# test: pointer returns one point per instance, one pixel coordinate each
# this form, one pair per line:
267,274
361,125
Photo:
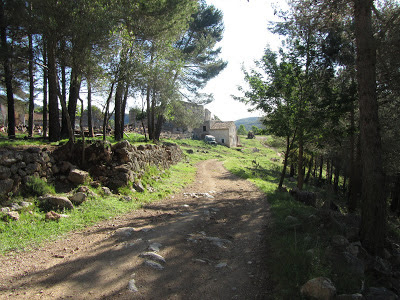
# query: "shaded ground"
214,247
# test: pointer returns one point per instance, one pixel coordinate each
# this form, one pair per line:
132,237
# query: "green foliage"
36,186
242,130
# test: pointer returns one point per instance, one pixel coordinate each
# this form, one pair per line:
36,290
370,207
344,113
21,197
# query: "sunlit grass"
32,229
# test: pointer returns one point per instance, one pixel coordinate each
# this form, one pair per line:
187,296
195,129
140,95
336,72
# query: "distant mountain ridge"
248,122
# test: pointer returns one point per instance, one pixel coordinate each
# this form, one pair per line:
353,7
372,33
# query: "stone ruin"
113,166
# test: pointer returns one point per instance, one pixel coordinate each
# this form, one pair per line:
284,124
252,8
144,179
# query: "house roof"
215,125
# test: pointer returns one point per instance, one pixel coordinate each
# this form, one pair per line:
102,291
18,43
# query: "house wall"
233,136
221,134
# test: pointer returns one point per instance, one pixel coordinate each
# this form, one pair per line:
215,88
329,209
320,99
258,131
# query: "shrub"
36,186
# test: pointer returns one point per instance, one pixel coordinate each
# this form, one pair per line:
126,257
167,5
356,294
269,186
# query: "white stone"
155,247
221,265
132,286
124,231
154,256
154,265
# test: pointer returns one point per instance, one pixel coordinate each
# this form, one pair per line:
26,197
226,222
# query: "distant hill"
248,122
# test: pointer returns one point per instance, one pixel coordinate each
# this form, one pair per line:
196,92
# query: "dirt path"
212,244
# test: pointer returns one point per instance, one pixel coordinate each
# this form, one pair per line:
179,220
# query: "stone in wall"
16,165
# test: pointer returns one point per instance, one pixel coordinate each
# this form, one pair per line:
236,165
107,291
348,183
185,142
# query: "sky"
245,38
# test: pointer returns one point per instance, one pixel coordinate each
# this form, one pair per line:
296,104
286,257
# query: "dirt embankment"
208,242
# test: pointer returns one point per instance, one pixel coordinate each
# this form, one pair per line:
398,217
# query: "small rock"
25,204
154,256
381,265
339,241
78,176
350,297
355,264
126,199
83,189
124,231
353,249
5,209
154,265
310,252
379,293
132,286
52,216
319,288
138,186
221,265
220,243
155,247
106,191
15,206
78,197
12,215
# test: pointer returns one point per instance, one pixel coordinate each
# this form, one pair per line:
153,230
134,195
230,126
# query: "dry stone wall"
113,166
16,165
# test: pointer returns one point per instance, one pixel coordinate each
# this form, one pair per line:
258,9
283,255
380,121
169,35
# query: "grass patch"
36,186
32,229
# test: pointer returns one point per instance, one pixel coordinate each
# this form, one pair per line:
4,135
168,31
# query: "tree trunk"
31,88
64,124
300,175
395,205
89,108
74,88
336,176
310,166
373,212
160,122
285,162
123,108
45,75
315,166
105,121
328,170
153,114
7,73
321,166
292,170
54,121
118,106
149,131
355,168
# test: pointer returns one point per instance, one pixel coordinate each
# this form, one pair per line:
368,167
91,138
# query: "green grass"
32,229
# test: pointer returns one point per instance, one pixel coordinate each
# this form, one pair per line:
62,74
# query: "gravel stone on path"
153,256
154,265
132,286
155,247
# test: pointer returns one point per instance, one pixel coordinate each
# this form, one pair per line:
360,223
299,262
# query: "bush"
36,186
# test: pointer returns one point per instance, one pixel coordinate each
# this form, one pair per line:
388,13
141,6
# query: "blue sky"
245,39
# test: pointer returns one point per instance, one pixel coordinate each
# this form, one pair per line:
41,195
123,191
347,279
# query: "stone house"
224,132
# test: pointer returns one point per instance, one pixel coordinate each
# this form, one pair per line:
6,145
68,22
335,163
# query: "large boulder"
320,288
78,176
308,198
6,186
56,202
